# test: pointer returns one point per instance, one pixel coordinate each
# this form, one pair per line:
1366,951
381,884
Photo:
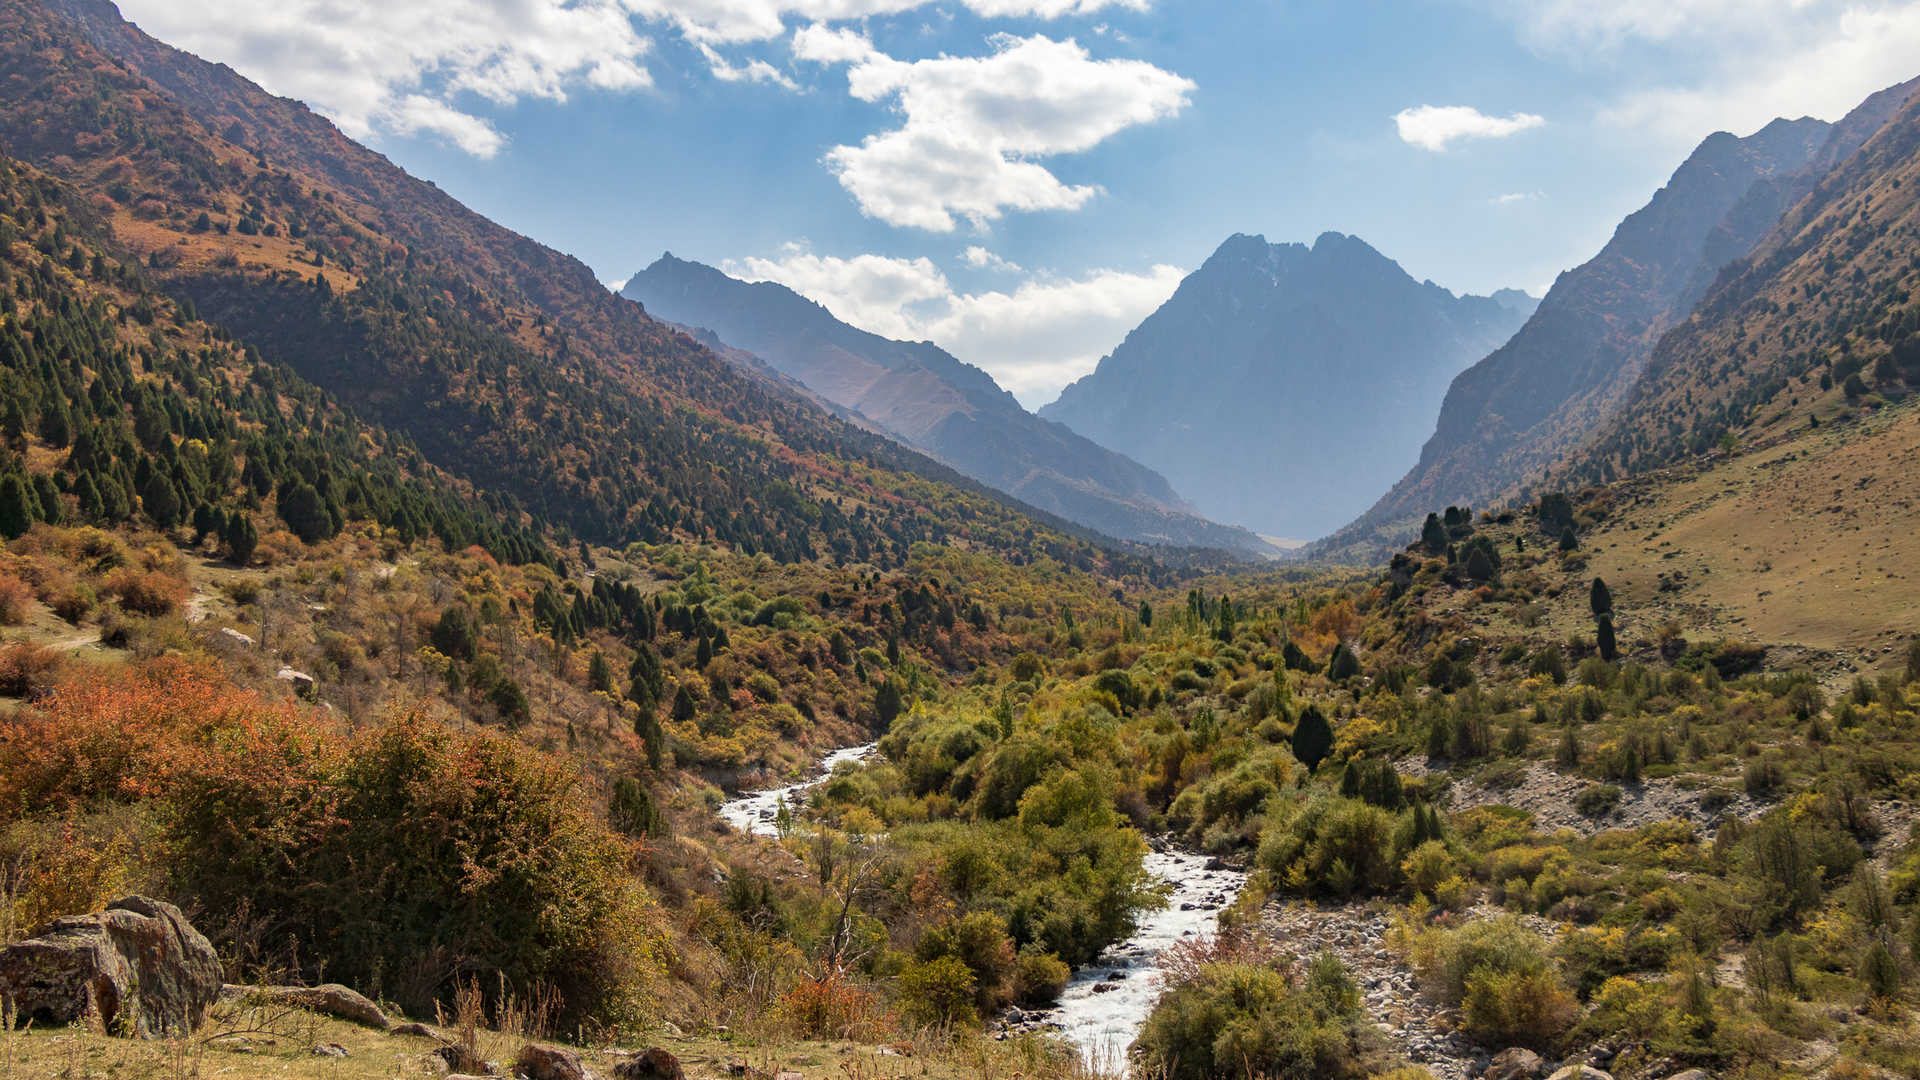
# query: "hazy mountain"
1542,394
1283,384
932,401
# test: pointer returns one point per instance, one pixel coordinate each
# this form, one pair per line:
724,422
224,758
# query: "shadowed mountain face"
1283,385
932,401
1536,399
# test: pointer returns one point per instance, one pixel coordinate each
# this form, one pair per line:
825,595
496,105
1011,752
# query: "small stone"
332,1050
415,1029
543,1061
653,1063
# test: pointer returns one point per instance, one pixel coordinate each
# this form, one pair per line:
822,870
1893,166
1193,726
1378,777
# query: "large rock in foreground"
146,970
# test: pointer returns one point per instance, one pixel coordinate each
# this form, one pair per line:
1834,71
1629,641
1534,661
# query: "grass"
285,1049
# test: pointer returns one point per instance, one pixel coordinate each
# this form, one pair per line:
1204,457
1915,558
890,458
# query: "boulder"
1515,1064
1692,1074
330,999
541,1061
146,970
1581,1072
655,1063
420,1030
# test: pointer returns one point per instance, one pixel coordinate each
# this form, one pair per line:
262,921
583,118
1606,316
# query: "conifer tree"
1312,738
1600,599
17,506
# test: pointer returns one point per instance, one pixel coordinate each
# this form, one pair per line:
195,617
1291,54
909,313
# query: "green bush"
938,993
1597,800
1039,977
411,857
1525,1007
1250,1020
1332,846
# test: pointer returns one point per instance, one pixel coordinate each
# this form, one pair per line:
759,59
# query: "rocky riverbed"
755,812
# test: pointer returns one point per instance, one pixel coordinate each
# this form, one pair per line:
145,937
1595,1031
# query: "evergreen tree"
241,537
1568,541
161,501
1312,738
1343,665
1609,648
305,512
685,707
17,506
1146,613
1433,536
599,675
887,702
1479,564
1600,599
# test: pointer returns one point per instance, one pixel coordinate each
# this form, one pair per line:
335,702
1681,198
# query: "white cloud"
1822,69
380,66
376,65
1033,339
981,259
1432,127
1513,197
972,125
762,20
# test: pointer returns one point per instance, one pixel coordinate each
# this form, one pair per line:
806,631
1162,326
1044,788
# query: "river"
1100,1013
1105,1002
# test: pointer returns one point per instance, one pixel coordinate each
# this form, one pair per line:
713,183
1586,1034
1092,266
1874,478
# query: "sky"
1024,181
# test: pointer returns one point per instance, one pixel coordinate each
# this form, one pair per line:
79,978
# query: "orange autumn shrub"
832,1007
28,670
151,593
93,741
15,597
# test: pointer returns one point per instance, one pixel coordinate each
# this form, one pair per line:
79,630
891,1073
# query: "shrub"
978,940
15,595
1332,846
1527,1007
1597,800
28,670
832,1007
1039,977
938,993
1251,1020
1427,866
152,593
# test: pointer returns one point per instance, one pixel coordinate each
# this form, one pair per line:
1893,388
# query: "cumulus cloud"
374,65
1033,339
1513,197
1823,68
762,20
973,125
1433,127
981,259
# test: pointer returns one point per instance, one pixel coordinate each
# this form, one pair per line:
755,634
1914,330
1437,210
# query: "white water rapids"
1105,1002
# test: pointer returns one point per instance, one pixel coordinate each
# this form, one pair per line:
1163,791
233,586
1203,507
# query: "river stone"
1581,1072
655,1063
1515,1064
329,999
541,1061
1692,1074
148,971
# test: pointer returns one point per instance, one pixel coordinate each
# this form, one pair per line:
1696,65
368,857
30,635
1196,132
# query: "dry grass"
284,1050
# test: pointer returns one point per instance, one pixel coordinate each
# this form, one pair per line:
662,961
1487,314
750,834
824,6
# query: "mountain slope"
1820,321
1545,392
932,401
1254,368
507,363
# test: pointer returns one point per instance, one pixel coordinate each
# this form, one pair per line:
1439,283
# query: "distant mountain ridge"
1283,384
1527,405
933,401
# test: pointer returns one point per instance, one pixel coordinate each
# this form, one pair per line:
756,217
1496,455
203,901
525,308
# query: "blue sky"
1023,180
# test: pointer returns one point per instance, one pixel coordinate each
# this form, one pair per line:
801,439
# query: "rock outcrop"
138,966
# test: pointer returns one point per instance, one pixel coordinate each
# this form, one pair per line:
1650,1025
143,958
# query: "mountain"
1545,392
935,402
1305,368
507,364
1818,323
